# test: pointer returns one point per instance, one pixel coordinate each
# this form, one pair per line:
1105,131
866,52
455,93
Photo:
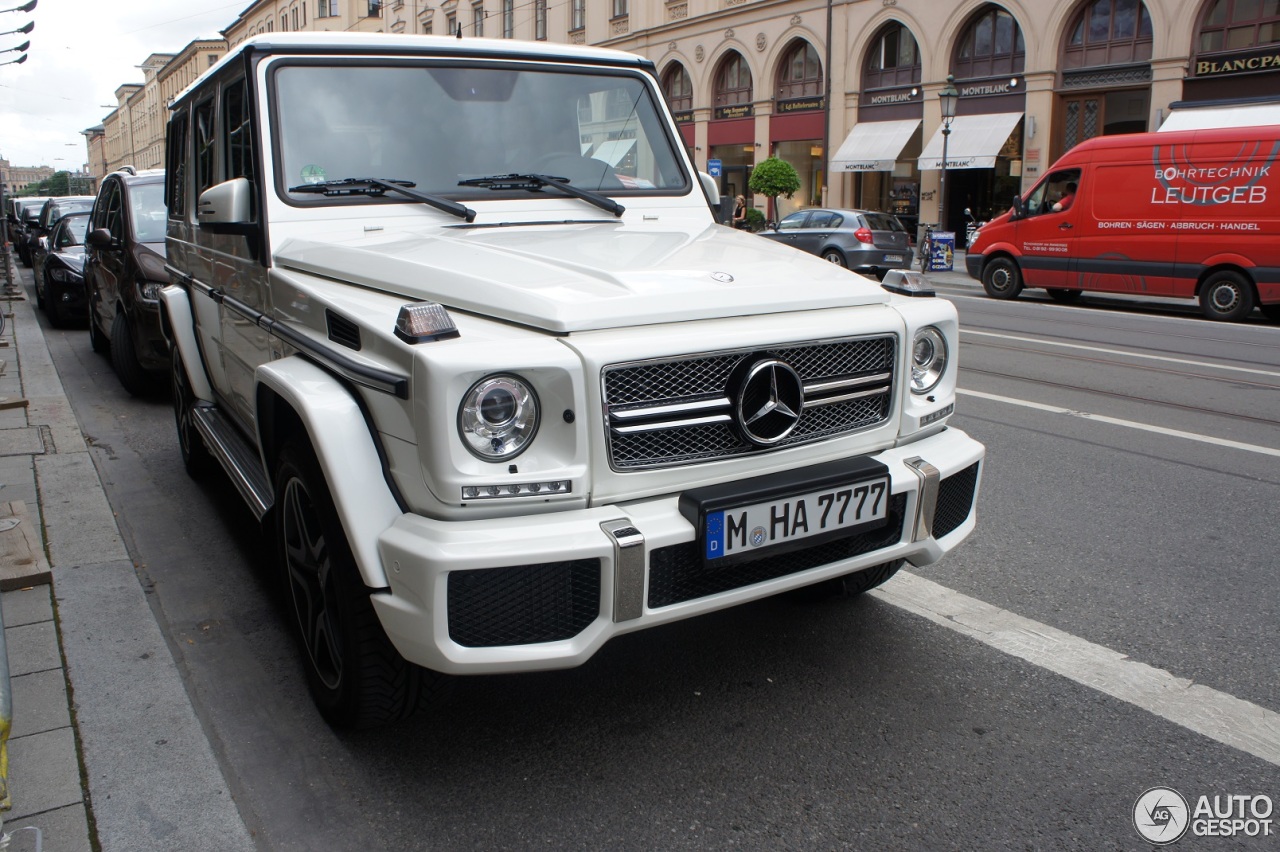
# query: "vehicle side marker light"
422,322
904,282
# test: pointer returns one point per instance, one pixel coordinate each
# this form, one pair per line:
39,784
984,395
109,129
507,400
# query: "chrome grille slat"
657,411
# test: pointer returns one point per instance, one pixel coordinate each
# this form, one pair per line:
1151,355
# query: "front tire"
1226,296
125,360
1002,279
195,455
356,677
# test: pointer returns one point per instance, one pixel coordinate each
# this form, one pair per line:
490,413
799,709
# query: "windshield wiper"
533,183
378,186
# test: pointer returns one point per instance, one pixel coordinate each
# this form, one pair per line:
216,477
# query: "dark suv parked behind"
124,272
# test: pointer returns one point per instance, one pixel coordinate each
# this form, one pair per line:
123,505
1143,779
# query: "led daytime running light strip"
524,489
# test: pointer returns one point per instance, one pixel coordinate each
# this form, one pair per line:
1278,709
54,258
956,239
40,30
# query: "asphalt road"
792,724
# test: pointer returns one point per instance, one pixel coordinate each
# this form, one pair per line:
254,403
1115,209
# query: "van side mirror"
227,203
1018,210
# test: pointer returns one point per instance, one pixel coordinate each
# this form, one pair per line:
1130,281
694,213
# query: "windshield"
436,126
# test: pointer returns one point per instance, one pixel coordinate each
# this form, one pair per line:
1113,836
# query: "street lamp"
25,7
31,25
22,46
947,97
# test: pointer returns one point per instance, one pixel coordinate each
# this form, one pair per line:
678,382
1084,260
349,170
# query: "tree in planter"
771,178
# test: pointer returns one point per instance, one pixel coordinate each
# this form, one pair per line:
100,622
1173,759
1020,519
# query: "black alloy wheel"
356,677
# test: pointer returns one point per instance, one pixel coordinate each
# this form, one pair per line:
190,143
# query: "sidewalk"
105,751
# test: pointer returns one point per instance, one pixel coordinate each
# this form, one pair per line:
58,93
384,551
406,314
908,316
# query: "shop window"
678,88
1239,24
800,74
733,81
1108,32
894,59
990,46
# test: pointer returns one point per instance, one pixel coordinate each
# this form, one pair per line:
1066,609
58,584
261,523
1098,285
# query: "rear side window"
824,219
176,173
107,212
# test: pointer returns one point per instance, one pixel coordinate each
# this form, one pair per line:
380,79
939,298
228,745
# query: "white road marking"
1106,351
1208,712
1130,424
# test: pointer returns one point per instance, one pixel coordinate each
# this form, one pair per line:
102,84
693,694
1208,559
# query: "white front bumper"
418,554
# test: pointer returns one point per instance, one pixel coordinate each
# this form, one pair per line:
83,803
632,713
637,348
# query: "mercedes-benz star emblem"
769,402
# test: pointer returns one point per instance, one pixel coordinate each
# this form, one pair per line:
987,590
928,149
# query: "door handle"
1065,226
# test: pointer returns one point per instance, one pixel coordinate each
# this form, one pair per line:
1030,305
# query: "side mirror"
1018,210
710,188
227,203
100,238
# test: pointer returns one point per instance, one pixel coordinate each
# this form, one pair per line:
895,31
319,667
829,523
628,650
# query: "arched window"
990,46
894,59
1237,24
678,88
733,81
800,74
1108,32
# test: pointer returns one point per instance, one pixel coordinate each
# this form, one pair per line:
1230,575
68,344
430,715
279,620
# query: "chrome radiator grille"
690,409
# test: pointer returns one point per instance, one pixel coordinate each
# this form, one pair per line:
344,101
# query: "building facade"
17,178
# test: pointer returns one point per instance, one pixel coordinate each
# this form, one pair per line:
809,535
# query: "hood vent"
342,331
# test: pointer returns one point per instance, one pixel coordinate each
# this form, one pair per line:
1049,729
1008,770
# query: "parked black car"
124,272
865,241
60,286
53,210
26,213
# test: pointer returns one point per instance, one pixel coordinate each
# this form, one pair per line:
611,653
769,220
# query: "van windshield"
437,126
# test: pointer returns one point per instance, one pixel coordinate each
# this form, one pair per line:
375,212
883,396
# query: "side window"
102,209
206,165
822,219
793,222
111,211
1051,190
237,131
176,171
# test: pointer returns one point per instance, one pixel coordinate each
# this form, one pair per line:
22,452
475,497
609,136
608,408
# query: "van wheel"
125,360
834,256
1065,296
1226,296
195,455
1001,279
356,677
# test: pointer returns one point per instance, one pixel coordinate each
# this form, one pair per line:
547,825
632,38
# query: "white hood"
582,276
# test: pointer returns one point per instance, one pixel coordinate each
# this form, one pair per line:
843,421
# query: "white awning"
1238,115
974,142
874,146
613,151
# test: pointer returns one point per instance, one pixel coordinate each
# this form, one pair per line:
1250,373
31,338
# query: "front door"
1046,234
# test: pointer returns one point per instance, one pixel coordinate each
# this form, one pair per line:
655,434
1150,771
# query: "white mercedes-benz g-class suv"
456,318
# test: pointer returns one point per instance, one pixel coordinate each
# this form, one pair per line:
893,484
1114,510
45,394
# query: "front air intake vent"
342,330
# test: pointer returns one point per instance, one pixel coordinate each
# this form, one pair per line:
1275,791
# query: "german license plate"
893,258
769,524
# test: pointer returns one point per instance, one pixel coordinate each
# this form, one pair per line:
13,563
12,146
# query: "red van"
1192,214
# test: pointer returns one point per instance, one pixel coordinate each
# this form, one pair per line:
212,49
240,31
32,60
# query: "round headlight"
928,359
498,417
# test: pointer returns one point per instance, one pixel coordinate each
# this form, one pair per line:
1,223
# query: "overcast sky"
81,52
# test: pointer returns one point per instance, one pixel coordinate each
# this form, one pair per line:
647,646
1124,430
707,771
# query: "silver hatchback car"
862,240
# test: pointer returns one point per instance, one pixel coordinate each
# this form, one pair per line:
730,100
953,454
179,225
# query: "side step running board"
240,460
